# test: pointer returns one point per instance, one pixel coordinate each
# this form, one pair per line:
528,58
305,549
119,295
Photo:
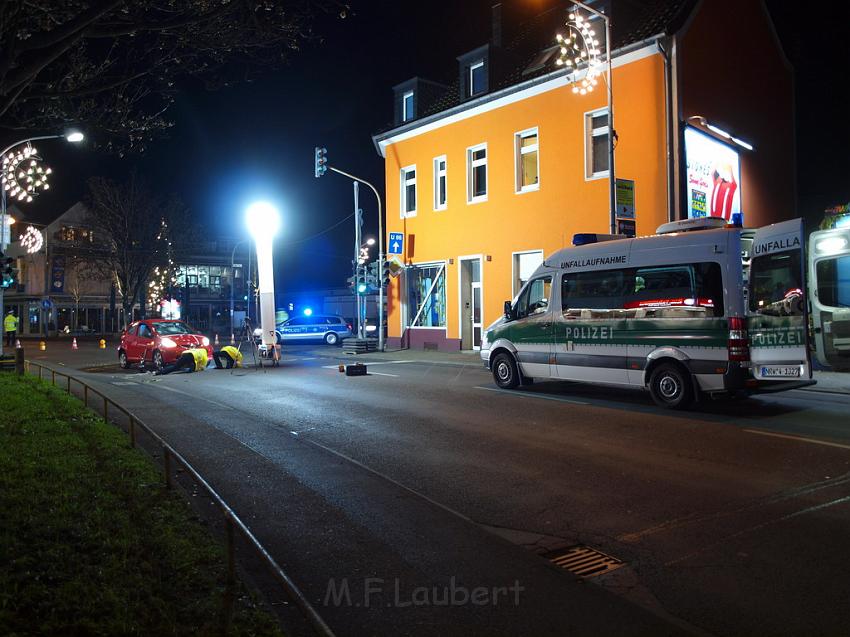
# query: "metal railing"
169,455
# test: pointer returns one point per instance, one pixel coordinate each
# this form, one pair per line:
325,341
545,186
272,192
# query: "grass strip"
90,541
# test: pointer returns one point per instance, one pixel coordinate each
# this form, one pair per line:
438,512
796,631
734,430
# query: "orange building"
487,175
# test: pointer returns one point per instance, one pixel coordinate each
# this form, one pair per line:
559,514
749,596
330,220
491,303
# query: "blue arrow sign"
396,242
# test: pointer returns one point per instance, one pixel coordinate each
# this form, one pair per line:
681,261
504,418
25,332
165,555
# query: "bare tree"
79,281
139,230
113,65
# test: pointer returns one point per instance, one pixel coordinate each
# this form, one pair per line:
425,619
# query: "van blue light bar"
585,238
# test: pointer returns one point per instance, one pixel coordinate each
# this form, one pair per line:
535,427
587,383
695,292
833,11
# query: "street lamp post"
380,251
263,222
27,191
580,46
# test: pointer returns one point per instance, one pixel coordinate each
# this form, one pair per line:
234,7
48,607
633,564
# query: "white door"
777,316
829,293
475,314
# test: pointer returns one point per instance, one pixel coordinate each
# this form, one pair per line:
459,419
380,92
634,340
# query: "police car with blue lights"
699,308
328,328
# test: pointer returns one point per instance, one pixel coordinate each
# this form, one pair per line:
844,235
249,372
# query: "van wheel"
331,338
670,386
505,371
122,360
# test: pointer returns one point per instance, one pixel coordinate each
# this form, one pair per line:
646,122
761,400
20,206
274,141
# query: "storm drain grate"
584,561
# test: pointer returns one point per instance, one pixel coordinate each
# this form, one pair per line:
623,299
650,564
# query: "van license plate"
780,371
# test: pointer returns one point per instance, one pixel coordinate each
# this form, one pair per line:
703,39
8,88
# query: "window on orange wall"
596,144
408,191
476,165
527,161
440,183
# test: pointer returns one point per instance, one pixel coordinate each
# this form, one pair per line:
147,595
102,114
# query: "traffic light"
362,288
321,161
352,280
9,272
385,274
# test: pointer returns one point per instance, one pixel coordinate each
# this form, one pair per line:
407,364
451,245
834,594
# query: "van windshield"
776,287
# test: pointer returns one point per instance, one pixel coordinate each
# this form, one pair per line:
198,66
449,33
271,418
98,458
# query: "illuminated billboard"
713,178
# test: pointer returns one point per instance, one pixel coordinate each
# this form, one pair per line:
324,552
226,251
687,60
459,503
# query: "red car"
160,341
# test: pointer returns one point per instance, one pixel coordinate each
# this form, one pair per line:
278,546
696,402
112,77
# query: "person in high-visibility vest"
192,360
228,354
10,327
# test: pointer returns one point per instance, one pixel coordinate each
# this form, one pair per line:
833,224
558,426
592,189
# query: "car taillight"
738,346
350,327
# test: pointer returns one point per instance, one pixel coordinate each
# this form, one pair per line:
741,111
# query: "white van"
670,313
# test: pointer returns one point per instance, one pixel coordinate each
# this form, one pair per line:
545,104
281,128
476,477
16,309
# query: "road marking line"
178,391
814,441
384,476
381,374
522,395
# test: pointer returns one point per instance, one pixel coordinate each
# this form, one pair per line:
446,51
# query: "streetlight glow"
263,221
75,137
262,218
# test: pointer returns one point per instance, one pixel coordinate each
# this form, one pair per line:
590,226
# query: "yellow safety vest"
10,323
234,353
201,358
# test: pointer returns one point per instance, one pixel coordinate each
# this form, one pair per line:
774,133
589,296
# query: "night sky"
255,141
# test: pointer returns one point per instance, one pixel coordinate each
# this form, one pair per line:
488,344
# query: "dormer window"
477,81
407,110
475,68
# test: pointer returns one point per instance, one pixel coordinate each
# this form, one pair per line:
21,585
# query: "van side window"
671,291
599,290
535,297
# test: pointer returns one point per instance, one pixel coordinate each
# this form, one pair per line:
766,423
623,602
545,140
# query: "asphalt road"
732,519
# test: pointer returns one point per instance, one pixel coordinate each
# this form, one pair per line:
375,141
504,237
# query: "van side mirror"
509,311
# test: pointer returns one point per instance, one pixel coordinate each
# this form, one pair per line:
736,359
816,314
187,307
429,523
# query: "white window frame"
405,116
519,151
589,134
472,67
403,183
437,174
470,165
514,269
405,305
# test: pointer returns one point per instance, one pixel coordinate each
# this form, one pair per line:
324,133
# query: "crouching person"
192,360
229,355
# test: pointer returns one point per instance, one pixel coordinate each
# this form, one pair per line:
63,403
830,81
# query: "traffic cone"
74,343
342,368
17,343
216,340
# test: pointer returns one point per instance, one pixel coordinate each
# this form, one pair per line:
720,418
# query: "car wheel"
670,386
331,338
157,360
505,371
122,359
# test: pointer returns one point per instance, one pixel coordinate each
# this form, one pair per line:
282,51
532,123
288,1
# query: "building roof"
523,58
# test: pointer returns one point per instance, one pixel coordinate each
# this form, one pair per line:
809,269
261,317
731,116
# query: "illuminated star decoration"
32,240
580,47
22,174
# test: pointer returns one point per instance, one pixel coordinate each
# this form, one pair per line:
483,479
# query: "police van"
700,308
